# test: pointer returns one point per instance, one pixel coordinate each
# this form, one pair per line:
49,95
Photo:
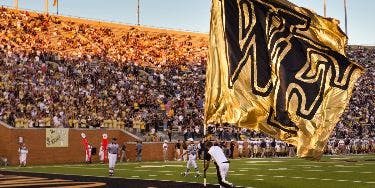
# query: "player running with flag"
221,162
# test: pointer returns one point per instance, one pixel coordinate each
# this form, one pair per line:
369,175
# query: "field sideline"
333,171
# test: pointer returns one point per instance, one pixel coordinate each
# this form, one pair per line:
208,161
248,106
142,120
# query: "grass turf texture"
331,171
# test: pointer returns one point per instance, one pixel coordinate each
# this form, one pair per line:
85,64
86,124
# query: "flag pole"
325,8
46,6
57,7
138,12
346,17
16,4
204,154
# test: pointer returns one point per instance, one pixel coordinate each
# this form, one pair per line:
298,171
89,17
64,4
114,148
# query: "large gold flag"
55,3
280,69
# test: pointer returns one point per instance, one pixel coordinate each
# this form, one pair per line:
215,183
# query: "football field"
332,171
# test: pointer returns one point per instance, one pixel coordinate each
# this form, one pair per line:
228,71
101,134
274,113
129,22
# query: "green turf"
342,172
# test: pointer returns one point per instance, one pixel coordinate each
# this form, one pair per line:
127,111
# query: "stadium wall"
35,140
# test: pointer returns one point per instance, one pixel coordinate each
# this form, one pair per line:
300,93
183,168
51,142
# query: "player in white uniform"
165,150
101,154
23,155
240,148
191,151
113,150
221,162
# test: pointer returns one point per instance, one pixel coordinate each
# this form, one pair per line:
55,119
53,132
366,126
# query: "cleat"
198,175
184,174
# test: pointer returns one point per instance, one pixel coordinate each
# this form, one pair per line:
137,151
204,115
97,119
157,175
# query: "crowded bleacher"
55,72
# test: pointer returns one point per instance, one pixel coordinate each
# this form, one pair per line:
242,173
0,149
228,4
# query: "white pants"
178,153
112,160
185,156
192,162
87,155
222,172
23,159
101,155
165,154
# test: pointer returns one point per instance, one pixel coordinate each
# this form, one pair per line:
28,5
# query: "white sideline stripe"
173,165
311,178
244,170
343,171
278,176
297,177
238,174
278,169
326,179
342,180
314,170
260,175
134,176
366,172
153,175
251,162
357,181
370,182
169,174
259,179
141,170
151,166
165,171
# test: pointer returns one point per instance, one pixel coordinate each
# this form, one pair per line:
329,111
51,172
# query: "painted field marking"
326,179
169,174
173,165
260,175
165,171
311,178
357,181
134,176
152,175
366,172
371,182
278,176
151,166
251,162
276,169
141,170
237,174
244,170
297,177
259,179
342,180
249,168
343,171
314,170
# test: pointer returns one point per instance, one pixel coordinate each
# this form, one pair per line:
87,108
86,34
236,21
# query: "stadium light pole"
325,8
16,4
46,6
138,12
346,17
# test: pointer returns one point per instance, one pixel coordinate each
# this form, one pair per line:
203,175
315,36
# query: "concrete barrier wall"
35,140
